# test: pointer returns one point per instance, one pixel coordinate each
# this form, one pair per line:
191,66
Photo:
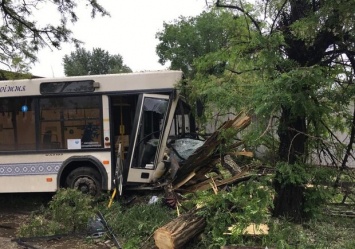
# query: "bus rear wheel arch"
85,179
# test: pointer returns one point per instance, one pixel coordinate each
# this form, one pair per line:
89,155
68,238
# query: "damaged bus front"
163,125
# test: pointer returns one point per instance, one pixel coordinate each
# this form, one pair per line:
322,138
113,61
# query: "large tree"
292,65
189,38
22,35
97,61
306,78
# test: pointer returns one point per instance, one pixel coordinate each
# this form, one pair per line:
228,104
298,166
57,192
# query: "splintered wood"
177,232
191,174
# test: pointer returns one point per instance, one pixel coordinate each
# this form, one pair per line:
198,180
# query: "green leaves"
236,208
99,61
294,174
289,64
135,225
22,35
68,212
72,209
188,39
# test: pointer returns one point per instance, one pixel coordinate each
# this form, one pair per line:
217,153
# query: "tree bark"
179,231
289,199
229,164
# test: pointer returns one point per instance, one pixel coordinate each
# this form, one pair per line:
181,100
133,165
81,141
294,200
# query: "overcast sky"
130,32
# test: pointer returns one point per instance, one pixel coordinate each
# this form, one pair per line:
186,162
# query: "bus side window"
17,121
74,117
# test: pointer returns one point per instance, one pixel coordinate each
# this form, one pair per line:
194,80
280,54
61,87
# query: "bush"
68,212
135,225
233,210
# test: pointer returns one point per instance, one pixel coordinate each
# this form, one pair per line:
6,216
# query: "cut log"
179,231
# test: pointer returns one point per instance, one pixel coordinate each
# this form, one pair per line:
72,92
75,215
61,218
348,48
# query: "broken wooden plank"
219,183
243,153
179,184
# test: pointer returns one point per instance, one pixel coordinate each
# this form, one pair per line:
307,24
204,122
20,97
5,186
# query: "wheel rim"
86,185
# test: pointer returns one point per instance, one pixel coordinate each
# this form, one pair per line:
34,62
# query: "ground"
14,210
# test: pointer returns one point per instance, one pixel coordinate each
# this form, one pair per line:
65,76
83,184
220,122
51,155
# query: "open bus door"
149,135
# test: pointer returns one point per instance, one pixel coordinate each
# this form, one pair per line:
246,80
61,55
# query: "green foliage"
236,208
136,224
228,137
22,35
316,181
284,64
295,174
76,207
99,61
40,225
289,64
68,211
7,75
186,39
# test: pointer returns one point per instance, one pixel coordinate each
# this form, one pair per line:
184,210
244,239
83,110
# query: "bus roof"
142,81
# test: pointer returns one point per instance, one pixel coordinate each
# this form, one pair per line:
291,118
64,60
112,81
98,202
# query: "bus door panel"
148,129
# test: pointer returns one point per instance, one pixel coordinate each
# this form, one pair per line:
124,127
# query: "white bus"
86,132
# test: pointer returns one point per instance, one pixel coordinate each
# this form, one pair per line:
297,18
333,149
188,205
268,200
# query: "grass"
323,232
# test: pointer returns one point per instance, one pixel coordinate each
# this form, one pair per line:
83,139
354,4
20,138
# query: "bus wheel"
86,180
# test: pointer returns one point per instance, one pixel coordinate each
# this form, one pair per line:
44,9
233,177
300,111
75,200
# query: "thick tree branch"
277,16
256,24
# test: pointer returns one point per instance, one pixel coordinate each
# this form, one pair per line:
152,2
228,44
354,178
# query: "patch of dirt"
15,209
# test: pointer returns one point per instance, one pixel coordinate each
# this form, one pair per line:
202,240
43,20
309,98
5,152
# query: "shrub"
68,212
135,225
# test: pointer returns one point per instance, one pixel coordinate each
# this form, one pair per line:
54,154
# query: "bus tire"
85,179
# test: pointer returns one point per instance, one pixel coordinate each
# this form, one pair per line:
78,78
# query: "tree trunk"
179,231
289,200
291,132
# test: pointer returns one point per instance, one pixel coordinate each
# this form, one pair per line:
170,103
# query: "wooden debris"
219,183
193,171
244,153
191,177
229,164
179,231
253,229
179,184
